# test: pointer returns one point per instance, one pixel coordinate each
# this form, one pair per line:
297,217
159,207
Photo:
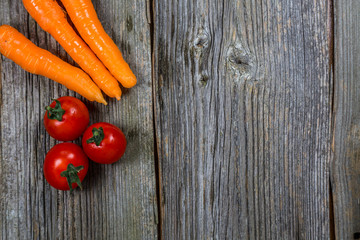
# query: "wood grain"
243,103
243,115
119,200
345,170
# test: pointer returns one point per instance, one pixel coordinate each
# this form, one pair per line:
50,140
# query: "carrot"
83,15
51,17
33,59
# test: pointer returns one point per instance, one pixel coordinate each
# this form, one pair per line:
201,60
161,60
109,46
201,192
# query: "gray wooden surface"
244,125
243,102
345,171
118,201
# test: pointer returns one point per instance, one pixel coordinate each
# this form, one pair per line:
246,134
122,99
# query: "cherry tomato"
104,143
65,166
66,118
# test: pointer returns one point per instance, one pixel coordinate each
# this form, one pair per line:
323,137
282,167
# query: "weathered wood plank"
243,102
345,169
119,201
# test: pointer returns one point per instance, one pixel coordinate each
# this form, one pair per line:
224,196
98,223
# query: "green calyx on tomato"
71,174
55,113
98,136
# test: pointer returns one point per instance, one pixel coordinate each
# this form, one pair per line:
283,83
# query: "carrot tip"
102,101
118,98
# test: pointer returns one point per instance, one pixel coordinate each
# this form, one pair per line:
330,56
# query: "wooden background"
245,124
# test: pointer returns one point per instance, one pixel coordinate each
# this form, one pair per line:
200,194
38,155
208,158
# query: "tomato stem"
71,174
55,113
98,136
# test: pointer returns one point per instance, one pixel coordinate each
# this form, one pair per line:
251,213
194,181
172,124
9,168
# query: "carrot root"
33,59
84,17
51,17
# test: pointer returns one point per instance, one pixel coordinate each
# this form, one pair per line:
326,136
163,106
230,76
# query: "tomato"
104,143
65,166
66,118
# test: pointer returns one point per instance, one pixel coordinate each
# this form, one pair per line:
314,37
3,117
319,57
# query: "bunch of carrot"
93,50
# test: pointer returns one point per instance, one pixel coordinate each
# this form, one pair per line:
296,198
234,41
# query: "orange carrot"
51,17
83,15
33,59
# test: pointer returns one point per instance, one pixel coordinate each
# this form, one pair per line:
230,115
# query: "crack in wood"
151,17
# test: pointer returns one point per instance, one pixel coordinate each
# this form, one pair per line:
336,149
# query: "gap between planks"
332,107
151,19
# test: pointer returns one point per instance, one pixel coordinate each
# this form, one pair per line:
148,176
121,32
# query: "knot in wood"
201,41
204,80
241,62
200,44
238,56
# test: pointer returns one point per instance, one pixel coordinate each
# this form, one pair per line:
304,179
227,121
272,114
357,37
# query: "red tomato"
66,118
65,164
104,143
